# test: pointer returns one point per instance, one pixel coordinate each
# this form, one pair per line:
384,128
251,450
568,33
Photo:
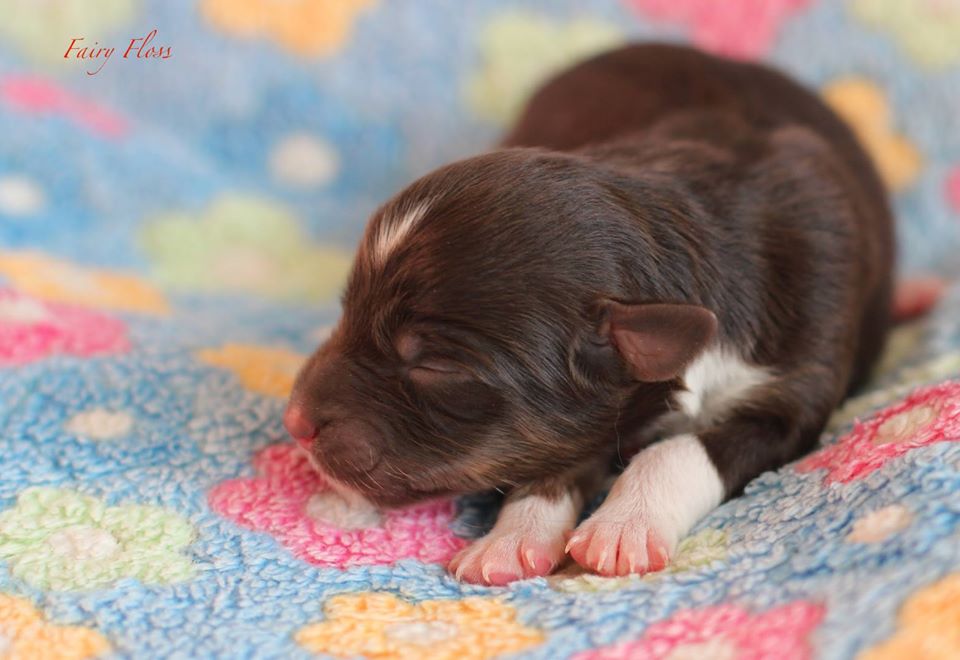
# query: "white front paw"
621,545
661,495
504,557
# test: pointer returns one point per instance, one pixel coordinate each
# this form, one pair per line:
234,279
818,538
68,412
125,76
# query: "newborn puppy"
675,261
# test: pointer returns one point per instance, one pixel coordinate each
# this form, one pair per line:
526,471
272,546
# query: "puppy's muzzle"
345,446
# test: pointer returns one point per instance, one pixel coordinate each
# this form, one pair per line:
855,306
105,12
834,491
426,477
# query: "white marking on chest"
393,229
716,381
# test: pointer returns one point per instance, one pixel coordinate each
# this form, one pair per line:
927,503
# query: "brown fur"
650,174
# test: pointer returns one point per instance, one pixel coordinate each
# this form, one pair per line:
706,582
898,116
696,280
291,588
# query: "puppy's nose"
297,424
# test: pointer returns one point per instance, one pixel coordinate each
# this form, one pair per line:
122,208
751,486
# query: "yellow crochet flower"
24,635
43,30
929,625
382,626
58,281
304,27
263,369
521,49
864,106
928,30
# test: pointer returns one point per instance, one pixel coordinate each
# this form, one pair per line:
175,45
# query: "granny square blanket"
177,217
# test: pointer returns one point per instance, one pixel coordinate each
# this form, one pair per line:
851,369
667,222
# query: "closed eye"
451,392
430,372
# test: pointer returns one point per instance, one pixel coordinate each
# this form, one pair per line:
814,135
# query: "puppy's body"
791,204
677,256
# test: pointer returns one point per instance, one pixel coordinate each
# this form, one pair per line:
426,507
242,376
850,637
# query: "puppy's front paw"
616,545
500,558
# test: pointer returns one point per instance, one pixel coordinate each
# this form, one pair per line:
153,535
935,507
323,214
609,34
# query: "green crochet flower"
43,30
244,244
60,539
702,549
521,49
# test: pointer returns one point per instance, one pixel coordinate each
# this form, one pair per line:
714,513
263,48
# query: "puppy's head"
485,341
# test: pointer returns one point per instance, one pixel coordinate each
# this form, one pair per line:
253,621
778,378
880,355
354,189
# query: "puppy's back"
643,89
629,89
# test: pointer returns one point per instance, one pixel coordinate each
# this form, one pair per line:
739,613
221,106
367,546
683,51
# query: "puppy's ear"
658,340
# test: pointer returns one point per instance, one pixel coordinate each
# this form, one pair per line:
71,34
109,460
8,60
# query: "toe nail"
500,579
544,566
572,542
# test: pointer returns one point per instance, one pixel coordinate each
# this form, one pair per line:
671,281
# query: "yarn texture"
174,236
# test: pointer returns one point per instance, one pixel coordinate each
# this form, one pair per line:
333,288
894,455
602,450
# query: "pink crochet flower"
953,189
31,330
293,503
724,631
38,96
738,28
928,415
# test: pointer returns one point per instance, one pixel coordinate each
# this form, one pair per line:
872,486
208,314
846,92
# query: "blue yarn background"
390,102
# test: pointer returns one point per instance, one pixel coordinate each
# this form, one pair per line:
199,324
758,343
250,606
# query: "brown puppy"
675,257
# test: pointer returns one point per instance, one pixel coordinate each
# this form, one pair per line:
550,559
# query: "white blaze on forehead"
394,228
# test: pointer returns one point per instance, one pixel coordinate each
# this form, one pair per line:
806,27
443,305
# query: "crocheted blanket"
176,218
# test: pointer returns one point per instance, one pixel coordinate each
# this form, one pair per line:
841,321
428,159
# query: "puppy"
675,262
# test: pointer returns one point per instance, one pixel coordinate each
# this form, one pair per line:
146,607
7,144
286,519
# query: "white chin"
349,495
